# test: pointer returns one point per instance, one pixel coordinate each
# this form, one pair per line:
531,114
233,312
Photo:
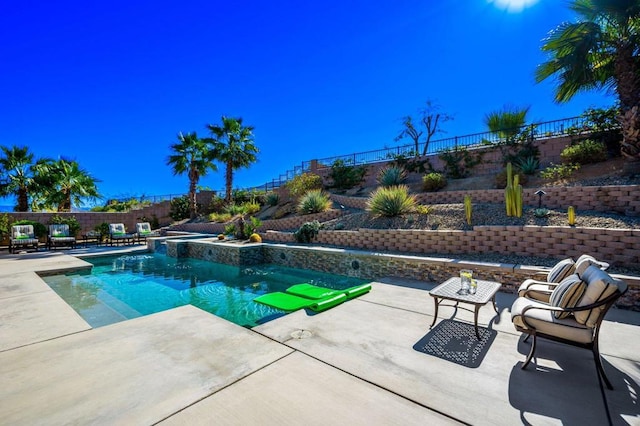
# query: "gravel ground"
451,216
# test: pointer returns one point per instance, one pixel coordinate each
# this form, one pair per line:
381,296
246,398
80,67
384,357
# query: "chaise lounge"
22,236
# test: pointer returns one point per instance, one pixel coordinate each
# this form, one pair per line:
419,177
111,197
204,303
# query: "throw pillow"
567,294
560,271
600,285
585,261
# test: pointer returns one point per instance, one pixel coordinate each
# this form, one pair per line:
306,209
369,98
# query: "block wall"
616,246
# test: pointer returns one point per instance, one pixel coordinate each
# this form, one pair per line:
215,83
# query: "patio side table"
450,290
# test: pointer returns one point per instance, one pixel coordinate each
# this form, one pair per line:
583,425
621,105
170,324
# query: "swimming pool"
125,287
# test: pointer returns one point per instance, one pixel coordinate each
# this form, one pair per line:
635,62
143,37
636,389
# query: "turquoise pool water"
126,287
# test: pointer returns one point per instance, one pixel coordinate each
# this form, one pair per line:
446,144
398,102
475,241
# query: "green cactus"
571,213
513,193
467,208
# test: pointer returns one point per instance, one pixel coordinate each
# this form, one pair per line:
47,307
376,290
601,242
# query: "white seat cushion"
543,321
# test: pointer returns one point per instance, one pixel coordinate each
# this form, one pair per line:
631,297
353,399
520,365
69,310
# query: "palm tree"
600,51
234,147
506,124
195,157
15,165
62,183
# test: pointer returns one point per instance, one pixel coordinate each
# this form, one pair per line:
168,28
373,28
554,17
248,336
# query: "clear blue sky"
111,83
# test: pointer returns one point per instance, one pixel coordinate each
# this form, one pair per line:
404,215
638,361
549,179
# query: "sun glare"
513,6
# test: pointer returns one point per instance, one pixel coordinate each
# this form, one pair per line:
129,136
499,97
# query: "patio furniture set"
567,307
23,236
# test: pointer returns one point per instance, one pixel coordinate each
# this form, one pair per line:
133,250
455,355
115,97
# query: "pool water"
126,287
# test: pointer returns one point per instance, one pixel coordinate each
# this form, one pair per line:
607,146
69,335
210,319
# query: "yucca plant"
314,201
392,201
392,175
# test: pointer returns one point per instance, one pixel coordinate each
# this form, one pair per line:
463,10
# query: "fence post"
455,143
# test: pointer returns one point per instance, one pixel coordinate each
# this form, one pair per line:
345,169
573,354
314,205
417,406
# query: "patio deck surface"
372,360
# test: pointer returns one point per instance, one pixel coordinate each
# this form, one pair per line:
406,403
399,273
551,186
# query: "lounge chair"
118,234
542,289
573,314
59,235
143,230
22,236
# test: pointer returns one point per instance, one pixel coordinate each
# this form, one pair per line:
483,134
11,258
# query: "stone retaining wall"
616,246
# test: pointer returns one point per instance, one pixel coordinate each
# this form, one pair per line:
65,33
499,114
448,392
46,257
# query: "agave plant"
314,201
528,165
392,175
392,201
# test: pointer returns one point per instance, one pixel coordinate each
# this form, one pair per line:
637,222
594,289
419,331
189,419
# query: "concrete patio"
372,360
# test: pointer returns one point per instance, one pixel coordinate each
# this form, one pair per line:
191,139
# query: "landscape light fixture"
540,193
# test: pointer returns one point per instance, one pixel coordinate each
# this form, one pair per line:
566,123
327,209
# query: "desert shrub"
424,209
121,206
272,198
392,175
219,217
585,152
433,182
251,207
501,178
5,225
527,165
234,209
252,225
240,196
411,163
39,229
230,229
217,204
102,229
74,225
315,201
559,171
180,208
390,202
255,238
458,162
307,231
301,184
345,176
